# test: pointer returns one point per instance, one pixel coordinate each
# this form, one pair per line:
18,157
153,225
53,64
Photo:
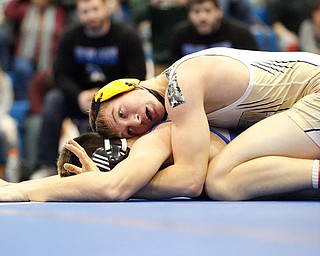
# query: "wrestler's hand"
87,164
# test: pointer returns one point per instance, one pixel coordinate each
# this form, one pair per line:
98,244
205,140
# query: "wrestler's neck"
103,30
158,83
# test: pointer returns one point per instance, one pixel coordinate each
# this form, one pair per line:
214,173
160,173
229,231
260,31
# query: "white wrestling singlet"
279,81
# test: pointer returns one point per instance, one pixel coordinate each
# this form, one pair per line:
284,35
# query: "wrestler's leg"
272,156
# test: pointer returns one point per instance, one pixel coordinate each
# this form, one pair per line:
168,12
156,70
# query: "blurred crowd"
55,54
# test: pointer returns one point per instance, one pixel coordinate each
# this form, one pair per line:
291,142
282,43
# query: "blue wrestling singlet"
225,134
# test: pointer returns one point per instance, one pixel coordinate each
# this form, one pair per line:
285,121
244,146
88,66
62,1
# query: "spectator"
207,28
40,24
162,15
238,9
286,17
90,54
7,32
309,33
120,11
69,6
9,143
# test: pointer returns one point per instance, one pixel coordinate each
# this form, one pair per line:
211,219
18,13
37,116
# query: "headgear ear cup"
114,151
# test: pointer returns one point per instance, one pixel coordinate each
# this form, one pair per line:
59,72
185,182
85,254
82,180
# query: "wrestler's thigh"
277,135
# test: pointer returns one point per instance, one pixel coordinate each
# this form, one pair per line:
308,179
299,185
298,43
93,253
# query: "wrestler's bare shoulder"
223,79
214,67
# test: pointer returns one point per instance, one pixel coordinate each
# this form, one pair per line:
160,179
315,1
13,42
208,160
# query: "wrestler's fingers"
88,165
77,150
75,145
72,168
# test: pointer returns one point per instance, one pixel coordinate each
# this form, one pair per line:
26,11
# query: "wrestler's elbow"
193,186
194,189
111,193
120,197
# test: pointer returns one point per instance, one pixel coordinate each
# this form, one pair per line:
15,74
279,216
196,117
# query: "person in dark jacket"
206,28
90,55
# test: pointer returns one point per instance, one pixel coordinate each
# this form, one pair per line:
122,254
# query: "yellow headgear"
114,88
110,90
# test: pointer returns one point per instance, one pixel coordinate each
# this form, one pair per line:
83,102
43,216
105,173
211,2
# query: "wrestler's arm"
117,185
4,183
190,138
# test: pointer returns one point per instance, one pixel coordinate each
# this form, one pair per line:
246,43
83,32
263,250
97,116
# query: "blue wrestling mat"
154,228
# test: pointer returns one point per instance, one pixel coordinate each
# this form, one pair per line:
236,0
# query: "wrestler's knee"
218,185
217,189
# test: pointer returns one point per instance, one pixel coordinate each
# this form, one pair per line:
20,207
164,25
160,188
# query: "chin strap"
160,99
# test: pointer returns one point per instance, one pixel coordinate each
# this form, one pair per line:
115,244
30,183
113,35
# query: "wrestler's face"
92,14
205,17
132,113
